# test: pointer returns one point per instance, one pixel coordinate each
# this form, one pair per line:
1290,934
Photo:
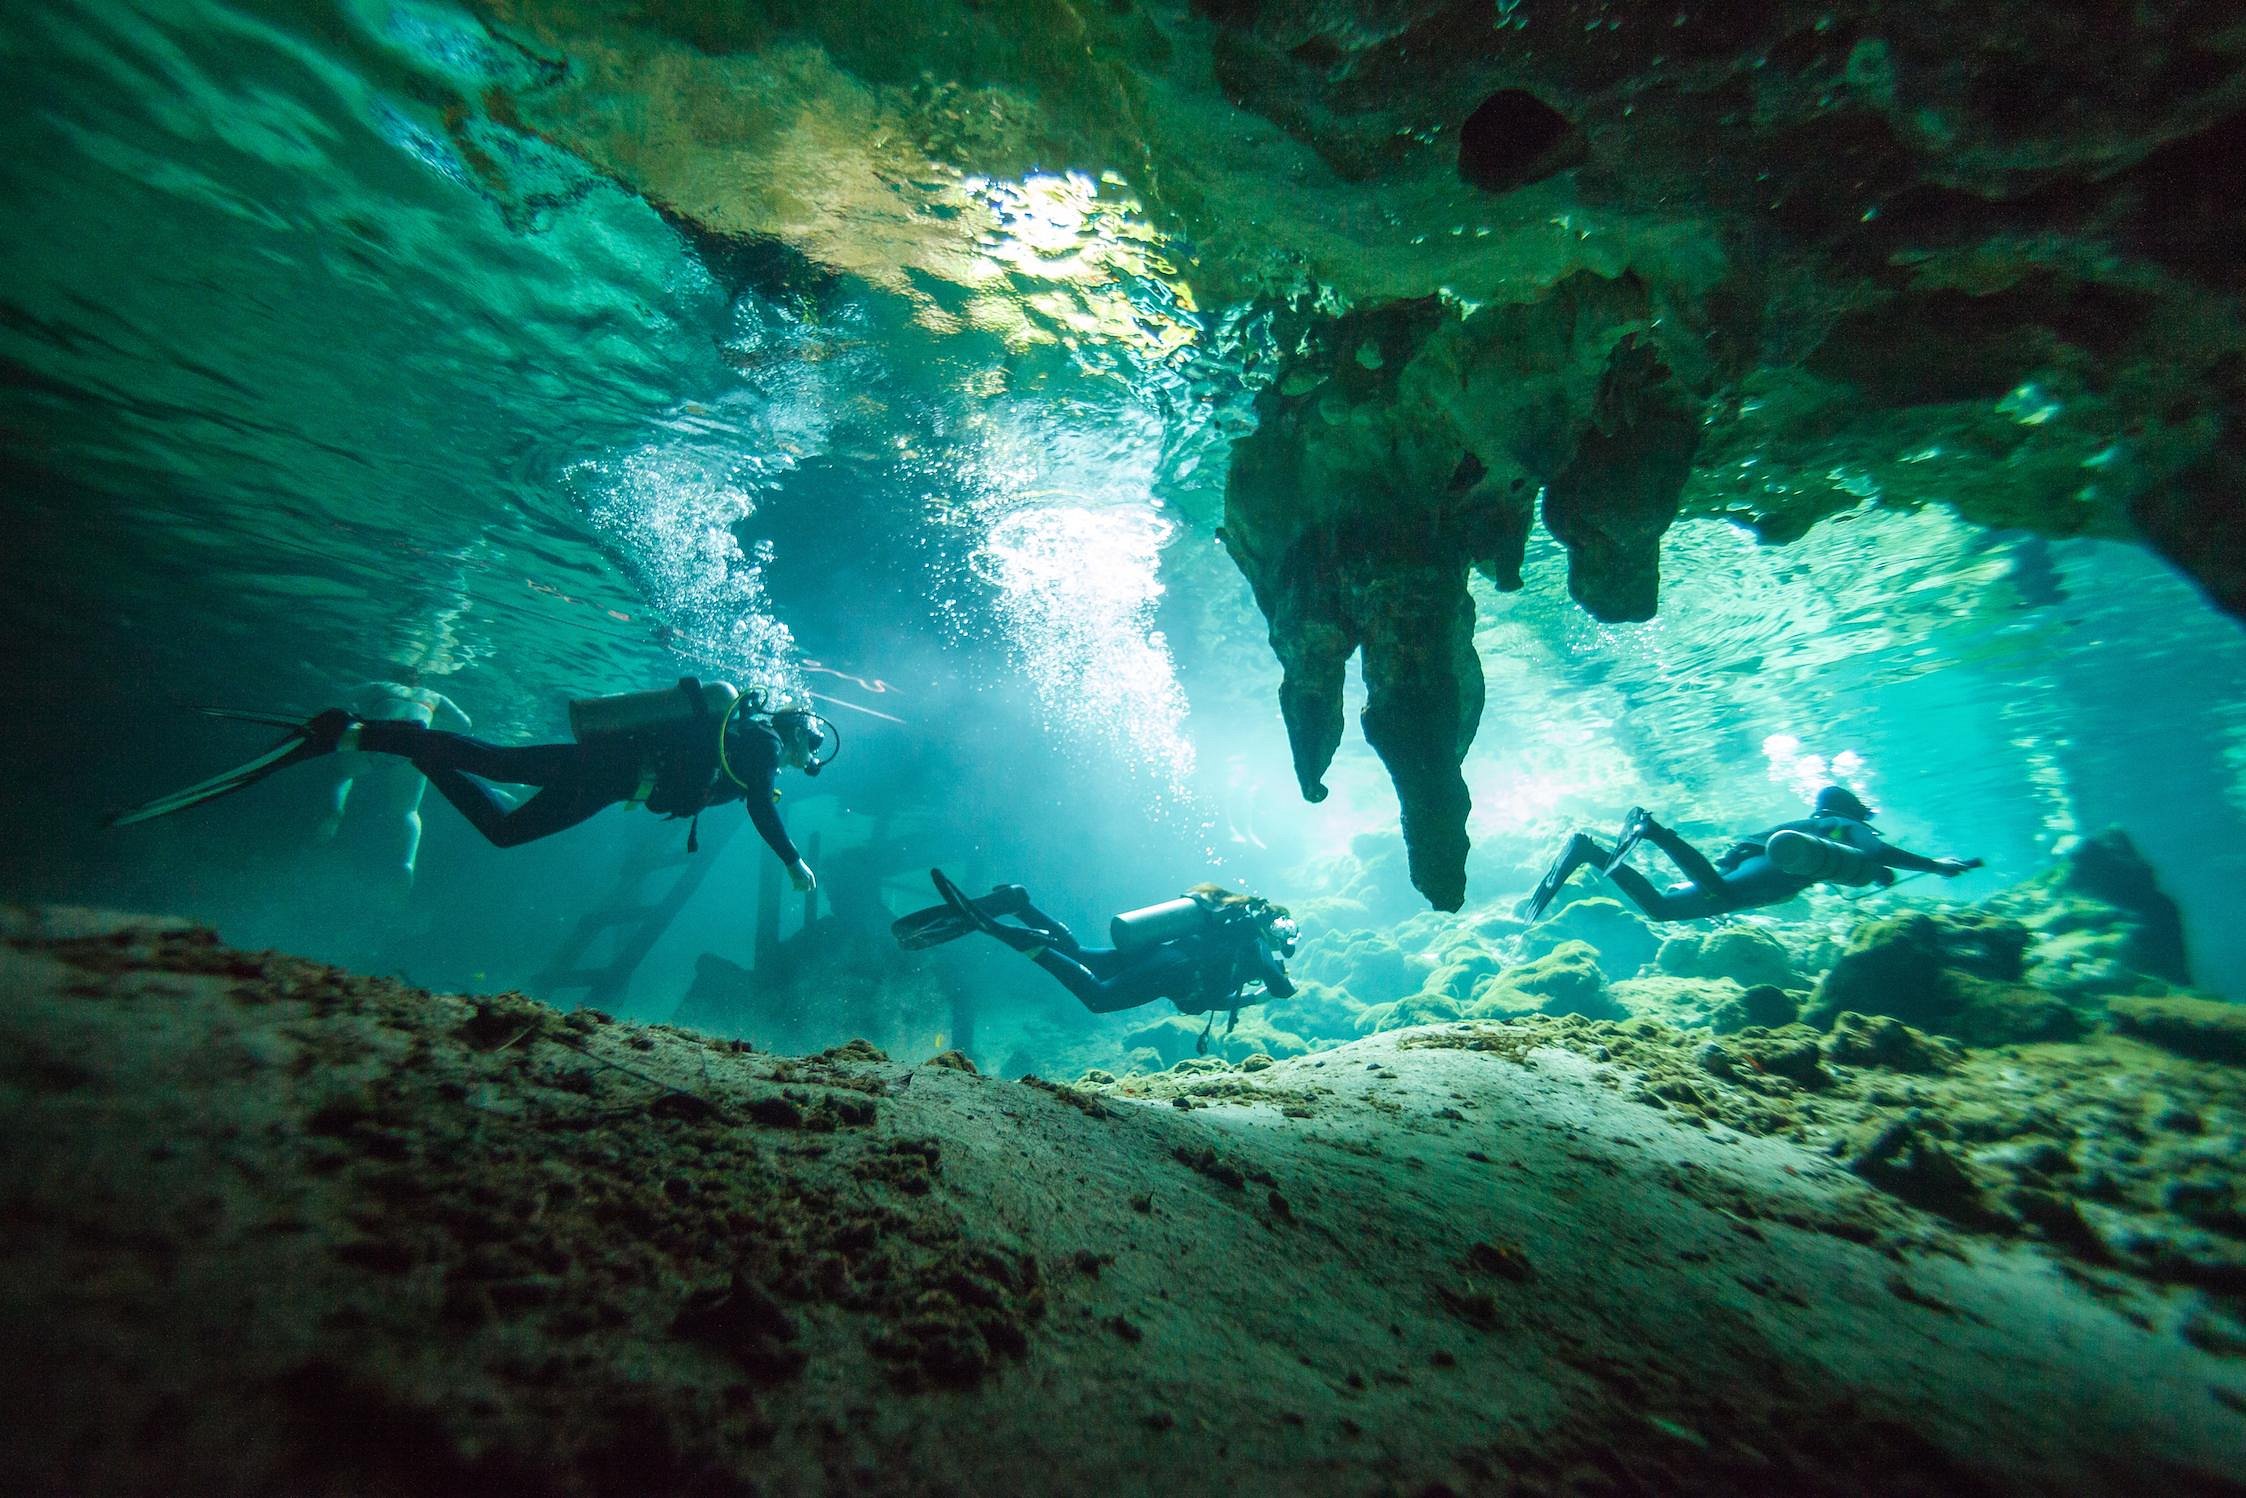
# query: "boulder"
1765,1005
2101,923
1368,965
1566,980
1879,1040
2205,1029
1902,1158
1624,940
1746,955
1683,1003
1951,974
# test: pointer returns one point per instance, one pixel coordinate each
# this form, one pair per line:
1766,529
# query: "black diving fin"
1633,833
932,927
298,746
1579,851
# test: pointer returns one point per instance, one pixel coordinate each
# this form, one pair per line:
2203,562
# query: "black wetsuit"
1745,878
677,770
1198,972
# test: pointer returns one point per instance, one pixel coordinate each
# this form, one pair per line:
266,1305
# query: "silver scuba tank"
1136,930
1821,859
689,702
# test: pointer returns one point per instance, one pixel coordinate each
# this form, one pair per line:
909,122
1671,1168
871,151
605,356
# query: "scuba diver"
1835,844
676,751
1199,950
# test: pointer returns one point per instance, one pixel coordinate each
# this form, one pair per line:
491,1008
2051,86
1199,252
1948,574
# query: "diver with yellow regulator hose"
1834,844
677,751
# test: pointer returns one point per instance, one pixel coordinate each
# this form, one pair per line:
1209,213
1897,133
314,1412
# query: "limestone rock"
1879,1040
1952,974
1625,941
1564,981
2207,1029
1409,455
1765,1005
2101,922
1747,955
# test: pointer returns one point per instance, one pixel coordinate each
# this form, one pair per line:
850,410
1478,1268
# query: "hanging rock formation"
1407,448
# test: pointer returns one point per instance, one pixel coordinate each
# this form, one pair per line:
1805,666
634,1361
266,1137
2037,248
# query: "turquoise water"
318,374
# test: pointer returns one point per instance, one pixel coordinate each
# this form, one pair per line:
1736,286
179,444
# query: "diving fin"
1579,851
932,927
961,907
244,715
292,750
308,738
1633,833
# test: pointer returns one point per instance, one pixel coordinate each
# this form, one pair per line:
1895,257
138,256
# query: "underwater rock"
1765,1006
952,1061
1684,1003
1747,955
1903,1159
1624,940
2101,922
1872,240
2204,1029
1879,1040
1173,1038
1950,974
1368,966
1424,1008
1564,981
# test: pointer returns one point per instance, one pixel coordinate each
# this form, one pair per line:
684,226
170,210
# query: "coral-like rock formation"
1747,955
1565,980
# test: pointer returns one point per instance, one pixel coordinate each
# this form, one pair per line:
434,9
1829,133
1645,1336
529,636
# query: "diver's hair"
1222,899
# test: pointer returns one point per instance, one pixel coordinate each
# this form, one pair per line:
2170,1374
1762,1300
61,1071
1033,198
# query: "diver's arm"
1892,857
1273,972
766,817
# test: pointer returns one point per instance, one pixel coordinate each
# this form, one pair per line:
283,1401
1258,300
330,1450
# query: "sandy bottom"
274,1228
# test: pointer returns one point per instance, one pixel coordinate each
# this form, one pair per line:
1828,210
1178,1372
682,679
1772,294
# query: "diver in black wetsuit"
1199,950
1834,844
676,752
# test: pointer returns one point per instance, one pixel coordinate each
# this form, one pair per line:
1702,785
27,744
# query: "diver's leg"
1758,882
1106,981
1688,858
433,749
339,801
556,808
1055,933
411,826
1685,903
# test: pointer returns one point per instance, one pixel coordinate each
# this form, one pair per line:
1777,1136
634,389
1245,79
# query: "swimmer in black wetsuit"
1746,877
1199,951
675,752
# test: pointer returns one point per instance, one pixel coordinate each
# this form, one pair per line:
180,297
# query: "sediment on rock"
276,1228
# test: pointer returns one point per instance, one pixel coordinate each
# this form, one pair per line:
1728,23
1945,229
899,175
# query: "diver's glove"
1950,868
800,875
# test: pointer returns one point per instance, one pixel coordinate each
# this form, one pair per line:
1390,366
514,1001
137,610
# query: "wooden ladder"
632,918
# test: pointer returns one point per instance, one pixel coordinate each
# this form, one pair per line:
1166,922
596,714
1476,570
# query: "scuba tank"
1151,925
1821,859
629,713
